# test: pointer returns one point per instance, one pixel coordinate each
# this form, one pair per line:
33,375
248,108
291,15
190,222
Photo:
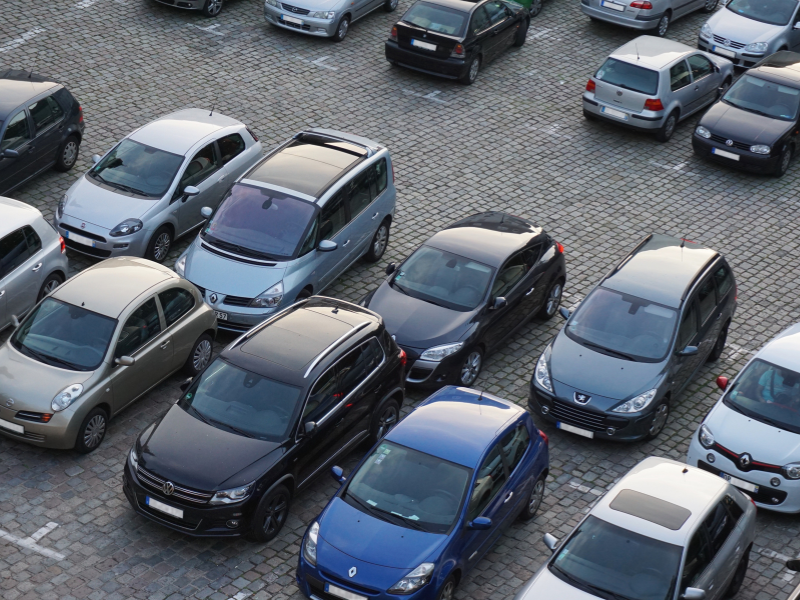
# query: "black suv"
278,406
636,341
41,126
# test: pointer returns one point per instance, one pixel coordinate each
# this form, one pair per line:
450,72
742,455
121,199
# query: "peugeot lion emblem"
745,460
352,572
10,402
213,298
729,142
169,488
582,398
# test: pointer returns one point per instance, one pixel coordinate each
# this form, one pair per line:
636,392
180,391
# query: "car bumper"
451,68
646,120
432,374
748,161
59,433
737,57
231,317
640,21
309,25
186,4
97,242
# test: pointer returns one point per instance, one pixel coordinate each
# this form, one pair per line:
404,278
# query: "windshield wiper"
410,521
241,249
46,358
598,591
400,288
609,350
199,415
127,188
231,427
370,509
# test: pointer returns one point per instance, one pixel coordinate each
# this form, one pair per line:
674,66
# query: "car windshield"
767,393
409,488
258,222
440,19
443,279
65,336
628,76
616,564
242,402
138,169
623,325
764,98
774,12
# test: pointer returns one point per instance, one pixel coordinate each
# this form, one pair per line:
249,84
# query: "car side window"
719,524
33,239
698,557
496,11
175,303
230,147
389,345
203,164
514,445
322,398
700,65
490,479
480,20
706,298
45,112
142,326
356,366
679,76
688,327
531,254
724,280
13,252
360,194
17,132
311,239
333,217
381,178
734,509
509,275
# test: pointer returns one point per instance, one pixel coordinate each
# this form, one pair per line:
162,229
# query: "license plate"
79,238
12,426
723,51
292,20
425,45
165,508
340,593
614,113
730,155
575,430
221,316
613,6
743,485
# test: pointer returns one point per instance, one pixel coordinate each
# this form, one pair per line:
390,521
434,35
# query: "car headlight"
134,458
437,353
791,471
760,149
705,31
269,299
61,205
180,265
705,436
756,47
542,373
272,2
636,404
414,580
232,495
66,397
702,132
310,545
324,14
127,227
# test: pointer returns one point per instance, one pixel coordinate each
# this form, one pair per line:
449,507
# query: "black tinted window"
322,398
230,147
175,303
626,75
679,76
733,508
333,217
514,445
34,241
724,280
700,65
13,252
380,175
763,97
688,327
706,299
360,194
142,326
698,557
496,11
17,132
480,20
357,365
490,480
509,275
436,18
719,525
45,112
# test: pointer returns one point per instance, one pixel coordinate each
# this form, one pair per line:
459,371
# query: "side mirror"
498,303
694,594
327,246
796,25
338,475
190,191
9,153
96,158
688,351
550,541
185,385
14,321
309,428
205,212
125,361
391,268
793,564
722,383
564,313
480,524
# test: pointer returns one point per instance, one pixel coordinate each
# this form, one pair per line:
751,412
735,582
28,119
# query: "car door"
502,26
205,173
534,287
794,32
17,136
696,562
509,283
143,338
362,7
709,314
233,157
481,29
20,270
724,530
48,125
176,304
334,226
360,194
681,88
705,79
358,383
514,444
688,335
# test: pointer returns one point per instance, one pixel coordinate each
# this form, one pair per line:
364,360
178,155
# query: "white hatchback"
752,436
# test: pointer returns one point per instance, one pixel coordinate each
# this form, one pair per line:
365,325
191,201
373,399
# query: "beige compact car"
94,345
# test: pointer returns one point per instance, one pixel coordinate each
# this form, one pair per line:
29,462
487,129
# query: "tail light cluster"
80,114
393,34
653,103
644,5
591,85
63,245
458,51
544,437
403,357
560,247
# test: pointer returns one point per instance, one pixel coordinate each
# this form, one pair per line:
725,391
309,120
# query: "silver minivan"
32,259
653,15
291,225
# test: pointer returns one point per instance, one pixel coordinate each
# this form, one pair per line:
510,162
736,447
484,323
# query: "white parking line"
789,575
11,44
241,596
30,542
85,3
430,96
319,62
677,168
209,29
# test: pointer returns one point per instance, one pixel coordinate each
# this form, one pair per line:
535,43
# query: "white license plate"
730,155
79,238
421,44
613,6
165,508
221,316
614,113
744,485
723,52
12,426
575,430
292,20
340,593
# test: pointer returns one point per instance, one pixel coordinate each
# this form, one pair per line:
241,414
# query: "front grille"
721,139
304,27
154,482
237,327
573,415
753,465
91,236
729,43
295,10
236,301
765,494
32,416
98,252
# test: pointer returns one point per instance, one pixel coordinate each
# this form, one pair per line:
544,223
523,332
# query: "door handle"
2,293
510,495
164,345
697,87
339,422
37,267
495,32
221,179
530,291
375,216
345,244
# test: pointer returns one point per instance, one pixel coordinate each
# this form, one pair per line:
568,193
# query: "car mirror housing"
309,428
14,321
550,541
722,383
190,191
9,153
205,212
693,594
95,158
391,268
327,246
338,475
480,524
688,351
498,303
796,25
125,361
564,313
185,385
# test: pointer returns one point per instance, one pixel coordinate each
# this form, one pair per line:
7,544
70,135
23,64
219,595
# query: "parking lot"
516,141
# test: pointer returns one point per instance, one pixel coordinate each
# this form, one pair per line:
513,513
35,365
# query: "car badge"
10,402
83,225
394,337
729,142
745,460
352,572
213,298
581,398
619,93
169,488
726,42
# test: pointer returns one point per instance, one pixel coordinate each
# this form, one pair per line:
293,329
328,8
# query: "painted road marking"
209,29
10,45
429,96
30,542
320,62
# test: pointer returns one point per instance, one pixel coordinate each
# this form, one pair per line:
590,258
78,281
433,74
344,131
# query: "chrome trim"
357,438
330,348
155,482
278,188
355,389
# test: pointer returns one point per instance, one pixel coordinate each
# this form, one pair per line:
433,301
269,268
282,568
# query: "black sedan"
754,126
466,290
454,38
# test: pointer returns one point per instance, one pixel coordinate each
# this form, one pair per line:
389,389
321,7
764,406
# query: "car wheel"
552,301
710,6
534,500
304,293
92,431
719,345
522,32
448,590
270,516
668,128
471,367
390,5
67,154
341,29
159,245
200,356
386,417
723,88
51,283
663,25
536,8
472,71
378,244
212,7
784,161
660,416
738,576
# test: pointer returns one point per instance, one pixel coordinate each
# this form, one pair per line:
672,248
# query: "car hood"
546,585
371,540
194,454
740,125
599,374
417,323
315,5
726,23
229,276
103,206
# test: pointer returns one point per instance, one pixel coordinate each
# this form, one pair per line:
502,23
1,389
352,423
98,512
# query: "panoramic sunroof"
651,509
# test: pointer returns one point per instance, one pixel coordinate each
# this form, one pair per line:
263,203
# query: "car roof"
780,67
653,52
488,237
669,497
660,269
784,349
178,132
464,5
16,89
15,214
108,287
456,424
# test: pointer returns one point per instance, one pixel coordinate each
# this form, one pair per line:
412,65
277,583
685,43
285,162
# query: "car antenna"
635,45
211,114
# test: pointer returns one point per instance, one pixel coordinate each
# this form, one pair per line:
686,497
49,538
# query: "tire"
200,356
386,417
271,514
738,577
212,8
589,116
536,8
783,163
719,345
534,500
552,301
668,128
390,5
92,431
470,368
341,29
160,244
663,25
67,154
379,243
448,589
522,32
660,418
710,6
52,282
304,293
472,71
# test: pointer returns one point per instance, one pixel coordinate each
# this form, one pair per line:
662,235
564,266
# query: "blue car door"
514,444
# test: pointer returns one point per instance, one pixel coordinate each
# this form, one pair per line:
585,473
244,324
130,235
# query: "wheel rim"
94,432
51,285
659,419
473,69
276,514
214,6
343,29
70,153
536,497
723,336
393,4
663,25
447,591
471,368
669,129
711,4
161,247
554,299
379,245
387,421
201,356
536,7
785,160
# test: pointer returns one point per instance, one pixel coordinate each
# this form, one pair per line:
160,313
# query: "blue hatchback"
427,502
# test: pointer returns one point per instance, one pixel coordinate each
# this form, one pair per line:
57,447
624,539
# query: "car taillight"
545,439
63,245
643,5
653,104
590,85
458,51
736,292
392,172
393,34
560,247
80,114
252,135
403,357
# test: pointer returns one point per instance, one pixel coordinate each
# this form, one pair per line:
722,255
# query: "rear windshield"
628,76
138,169
437,18
764,98
774,12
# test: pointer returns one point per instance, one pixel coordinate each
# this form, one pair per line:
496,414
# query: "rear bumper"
641,22
451,68
739,58
648,120
747,160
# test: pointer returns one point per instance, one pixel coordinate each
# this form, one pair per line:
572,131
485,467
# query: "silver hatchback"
644,14
652,84
324,18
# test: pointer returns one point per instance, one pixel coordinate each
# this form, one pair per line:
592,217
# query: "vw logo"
352,572
169,488
213,298
619,93
10,402
581,398
83,225
726,42
729,142
745,460
294,9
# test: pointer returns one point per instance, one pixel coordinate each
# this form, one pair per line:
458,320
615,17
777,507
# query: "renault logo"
10,402
213,298
169,488
745,460
83,225
581,398
352,572
729,142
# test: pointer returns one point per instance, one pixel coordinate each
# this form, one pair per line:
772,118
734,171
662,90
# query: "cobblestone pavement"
516,140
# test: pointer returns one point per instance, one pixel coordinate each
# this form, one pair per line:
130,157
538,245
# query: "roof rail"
323,138
330,348
700,275
256,328
630,255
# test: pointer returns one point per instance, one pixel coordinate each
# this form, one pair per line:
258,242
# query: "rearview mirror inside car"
480,524
327,246
722,383
688,351
338,475
9,153
205,212
14,321
185,385
550,541
95,158
125,361
694,594
498,303
391,268
564,312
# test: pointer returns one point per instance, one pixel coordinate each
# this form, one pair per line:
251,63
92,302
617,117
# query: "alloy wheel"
387,420
381,238
213,7
536,7
663,25
343,28
50,286
95,429
554,299
201,356
276,514
536,497
786,158
161,247
393,4
447,591
669,127
70,154
659,420
471,368
473,69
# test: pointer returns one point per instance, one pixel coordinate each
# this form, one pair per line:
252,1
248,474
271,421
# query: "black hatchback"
41,126
278,406
456,38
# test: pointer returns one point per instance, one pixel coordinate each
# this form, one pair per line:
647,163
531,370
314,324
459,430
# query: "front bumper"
451,68
429,373
645,120
308,25
633,21
187,4
102,244
736,56
59,433
756,163
240,317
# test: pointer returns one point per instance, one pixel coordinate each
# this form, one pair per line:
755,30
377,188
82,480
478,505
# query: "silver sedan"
655,15
323,18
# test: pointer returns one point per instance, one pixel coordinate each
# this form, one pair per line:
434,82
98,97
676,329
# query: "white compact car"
752,436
